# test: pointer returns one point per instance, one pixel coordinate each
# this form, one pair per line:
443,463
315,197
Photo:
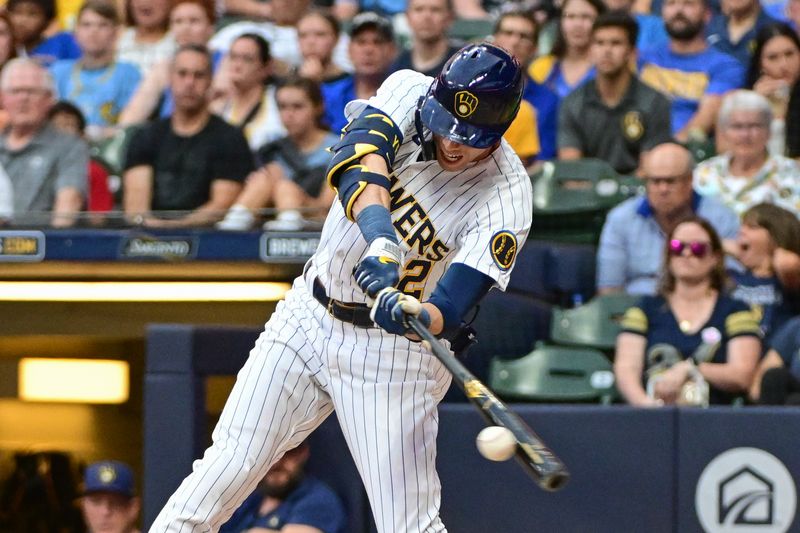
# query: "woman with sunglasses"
712,334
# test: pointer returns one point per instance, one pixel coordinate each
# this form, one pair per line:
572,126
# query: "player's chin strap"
428,148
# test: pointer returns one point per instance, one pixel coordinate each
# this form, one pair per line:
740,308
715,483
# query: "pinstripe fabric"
383,388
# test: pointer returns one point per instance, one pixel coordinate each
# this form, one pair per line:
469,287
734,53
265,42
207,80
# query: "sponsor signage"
164,248
22,246
288,247
746,490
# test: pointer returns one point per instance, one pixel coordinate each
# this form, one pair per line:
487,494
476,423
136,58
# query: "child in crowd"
30,19
69,119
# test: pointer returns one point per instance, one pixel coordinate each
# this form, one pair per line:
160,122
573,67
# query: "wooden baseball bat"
535,457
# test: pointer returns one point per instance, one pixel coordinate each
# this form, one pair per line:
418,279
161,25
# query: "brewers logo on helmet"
476,97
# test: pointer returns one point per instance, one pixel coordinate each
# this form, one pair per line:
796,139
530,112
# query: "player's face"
576,23
189,24
517,35
316,37
453,156
780,59
611,52
684,19
756,245
298,113
746,133
26,97
688,266
246,67
190,80
370,53
109,513
95,34
428,19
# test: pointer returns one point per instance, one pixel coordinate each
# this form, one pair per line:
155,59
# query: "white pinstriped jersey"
384,388
478,216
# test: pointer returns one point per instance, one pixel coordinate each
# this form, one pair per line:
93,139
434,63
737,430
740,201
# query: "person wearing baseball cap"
108,501
372,50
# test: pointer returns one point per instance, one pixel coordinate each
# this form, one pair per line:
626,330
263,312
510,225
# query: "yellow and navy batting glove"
380,267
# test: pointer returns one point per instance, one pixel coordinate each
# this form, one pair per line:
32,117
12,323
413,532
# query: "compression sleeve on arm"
459,290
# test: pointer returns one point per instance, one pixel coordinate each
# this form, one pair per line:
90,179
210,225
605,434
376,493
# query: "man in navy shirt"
287,497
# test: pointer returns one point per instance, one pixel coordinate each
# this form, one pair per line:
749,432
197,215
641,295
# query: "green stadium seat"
571,199
595,324
701,149
554,374
111,152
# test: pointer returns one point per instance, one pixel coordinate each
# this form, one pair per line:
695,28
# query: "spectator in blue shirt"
734,32
97,84
777,380
631,247
651,27
286,497
30,19
688,71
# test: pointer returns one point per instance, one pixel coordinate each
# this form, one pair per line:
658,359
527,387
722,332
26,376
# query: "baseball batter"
433,208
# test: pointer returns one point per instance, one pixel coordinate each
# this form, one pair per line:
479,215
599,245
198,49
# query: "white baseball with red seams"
496,443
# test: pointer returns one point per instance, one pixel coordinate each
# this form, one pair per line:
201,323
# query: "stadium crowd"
184,113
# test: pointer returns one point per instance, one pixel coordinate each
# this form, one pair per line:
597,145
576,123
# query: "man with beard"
689,72
191,161
614,117
289,501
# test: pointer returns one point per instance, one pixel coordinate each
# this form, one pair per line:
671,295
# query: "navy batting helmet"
476,97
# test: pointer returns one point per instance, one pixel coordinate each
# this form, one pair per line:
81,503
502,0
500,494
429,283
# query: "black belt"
352,313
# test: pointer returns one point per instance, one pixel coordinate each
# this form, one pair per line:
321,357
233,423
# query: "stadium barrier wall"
671,470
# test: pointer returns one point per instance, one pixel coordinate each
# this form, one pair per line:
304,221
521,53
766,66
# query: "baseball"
496,443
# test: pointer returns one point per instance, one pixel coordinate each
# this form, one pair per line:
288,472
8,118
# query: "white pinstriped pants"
384,389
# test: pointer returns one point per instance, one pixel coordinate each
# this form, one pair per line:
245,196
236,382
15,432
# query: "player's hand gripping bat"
535,457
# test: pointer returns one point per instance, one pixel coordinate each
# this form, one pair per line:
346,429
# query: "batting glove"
392,308
380,267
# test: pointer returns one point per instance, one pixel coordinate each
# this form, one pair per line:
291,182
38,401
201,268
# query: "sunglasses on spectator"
697,249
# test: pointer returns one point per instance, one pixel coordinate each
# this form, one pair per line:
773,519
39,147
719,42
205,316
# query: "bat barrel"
542,464
555,481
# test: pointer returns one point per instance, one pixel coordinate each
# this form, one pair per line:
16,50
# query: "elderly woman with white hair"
747,174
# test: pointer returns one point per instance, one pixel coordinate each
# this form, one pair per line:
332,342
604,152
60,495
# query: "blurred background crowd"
191,113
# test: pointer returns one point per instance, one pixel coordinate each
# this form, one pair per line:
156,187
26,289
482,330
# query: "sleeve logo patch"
504,249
